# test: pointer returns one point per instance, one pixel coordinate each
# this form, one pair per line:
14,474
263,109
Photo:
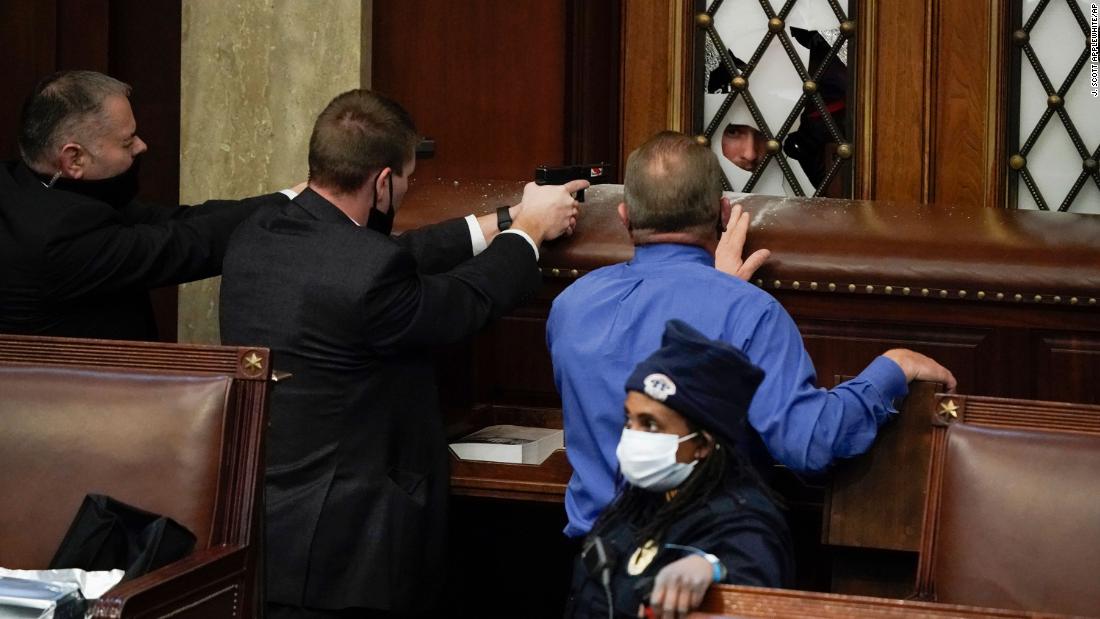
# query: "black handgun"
594,173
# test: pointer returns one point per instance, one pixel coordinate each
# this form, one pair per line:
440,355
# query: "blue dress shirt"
609,320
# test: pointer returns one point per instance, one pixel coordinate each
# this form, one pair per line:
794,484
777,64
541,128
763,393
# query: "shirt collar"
671,252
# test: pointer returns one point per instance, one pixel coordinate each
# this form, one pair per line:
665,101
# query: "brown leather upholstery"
1013,517
846,242
1019,523
172,429
151,441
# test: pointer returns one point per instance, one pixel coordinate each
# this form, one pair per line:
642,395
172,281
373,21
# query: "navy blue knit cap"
707,381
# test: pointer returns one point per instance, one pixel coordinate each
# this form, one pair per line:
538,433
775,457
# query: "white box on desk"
509,444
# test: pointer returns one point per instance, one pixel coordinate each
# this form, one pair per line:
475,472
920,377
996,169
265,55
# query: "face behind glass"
112,151
743,145
645,414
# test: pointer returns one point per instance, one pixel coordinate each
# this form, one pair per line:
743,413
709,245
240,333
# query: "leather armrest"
176,585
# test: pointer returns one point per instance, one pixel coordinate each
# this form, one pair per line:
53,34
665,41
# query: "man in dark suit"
77,254
357,475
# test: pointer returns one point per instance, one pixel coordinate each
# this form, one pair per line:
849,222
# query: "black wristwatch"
504,218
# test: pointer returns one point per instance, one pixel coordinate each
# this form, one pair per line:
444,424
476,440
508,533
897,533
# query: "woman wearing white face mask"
692,511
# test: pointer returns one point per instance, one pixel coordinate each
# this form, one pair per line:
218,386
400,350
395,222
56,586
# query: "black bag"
108,534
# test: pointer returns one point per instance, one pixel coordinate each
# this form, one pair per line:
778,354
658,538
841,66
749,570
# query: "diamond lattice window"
776,107
1056,121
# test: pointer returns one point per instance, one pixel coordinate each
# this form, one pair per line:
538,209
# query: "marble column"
255,74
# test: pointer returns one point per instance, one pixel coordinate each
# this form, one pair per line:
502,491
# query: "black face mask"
379,221
118,191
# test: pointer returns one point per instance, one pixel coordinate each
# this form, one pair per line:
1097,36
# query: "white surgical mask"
648,459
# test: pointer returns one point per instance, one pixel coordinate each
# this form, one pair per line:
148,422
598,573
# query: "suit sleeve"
438,247
100,254
149,213
417,310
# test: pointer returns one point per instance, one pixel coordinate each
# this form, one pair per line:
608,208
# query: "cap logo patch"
659,387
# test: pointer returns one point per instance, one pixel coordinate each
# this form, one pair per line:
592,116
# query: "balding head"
68,106
673,184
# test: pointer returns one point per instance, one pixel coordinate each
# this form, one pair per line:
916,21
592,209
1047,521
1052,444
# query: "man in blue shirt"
610,319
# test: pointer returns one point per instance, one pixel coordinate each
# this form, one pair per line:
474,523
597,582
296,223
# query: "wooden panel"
1068,367
507,378
877,499
741,601
645,70
839,348
965,78
593,41
83,33
899,142
485,78
27,28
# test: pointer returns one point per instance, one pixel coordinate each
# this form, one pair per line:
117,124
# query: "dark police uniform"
738,525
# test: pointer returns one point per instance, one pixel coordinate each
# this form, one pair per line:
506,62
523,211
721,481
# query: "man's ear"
73,160
381,189
624,215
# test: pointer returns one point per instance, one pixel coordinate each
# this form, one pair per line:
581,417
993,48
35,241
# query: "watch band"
504,218
715,563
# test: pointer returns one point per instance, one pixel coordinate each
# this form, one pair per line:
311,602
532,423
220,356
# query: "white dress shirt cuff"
477,237
526,237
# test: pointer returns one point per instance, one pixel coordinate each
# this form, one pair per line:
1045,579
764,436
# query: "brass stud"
1089,165
772,146
943,294
844,150
1057,299
888,290
555,272
760,283
905,291
1020,37
1092,301
775,24
962,294
869,289
1073,300
574,273
1038,298
795,285
813,285
703,20
702,140
1000,296
1017,162
1054,101
981,295
739,83
851,287
832,287
777,284
924,292
809,87
1017,297
847,27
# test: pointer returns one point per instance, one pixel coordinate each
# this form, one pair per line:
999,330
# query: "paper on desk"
92,584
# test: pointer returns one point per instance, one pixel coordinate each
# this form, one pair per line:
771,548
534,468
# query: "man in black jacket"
77,254
357,476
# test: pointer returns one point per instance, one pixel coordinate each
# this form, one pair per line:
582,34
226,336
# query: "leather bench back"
1019,520
152,440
